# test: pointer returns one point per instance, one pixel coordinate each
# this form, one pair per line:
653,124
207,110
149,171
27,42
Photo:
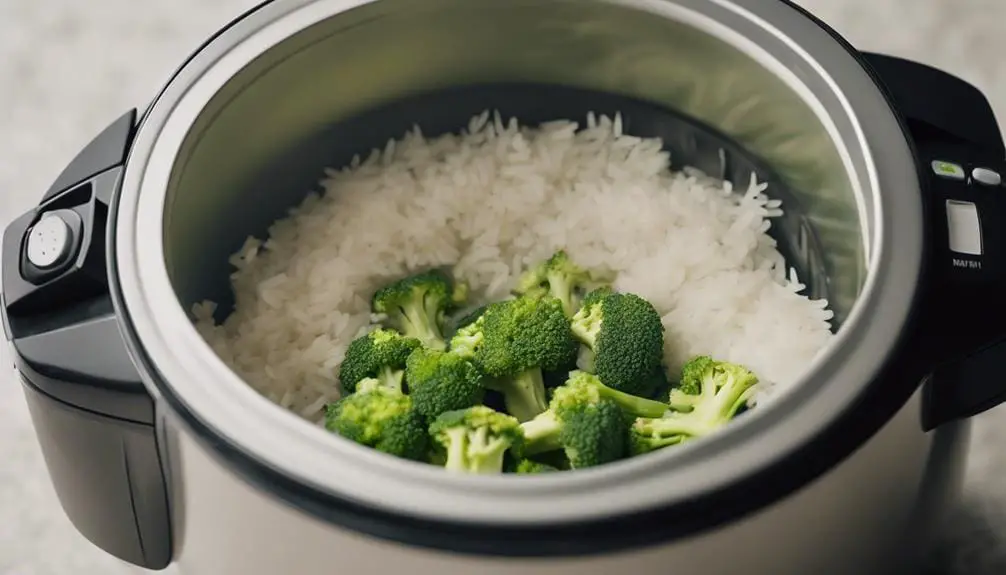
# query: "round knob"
49,241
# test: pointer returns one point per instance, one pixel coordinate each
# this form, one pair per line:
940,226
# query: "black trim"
965,341
861,422
130,403
942,106
106,473
106,151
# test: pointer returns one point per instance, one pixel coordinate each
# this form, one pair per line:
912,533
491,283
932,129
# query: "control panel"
968,199
964,226
964,312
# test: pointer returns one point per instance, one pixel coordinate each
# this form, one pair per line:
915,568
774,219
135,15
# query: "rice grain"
492,201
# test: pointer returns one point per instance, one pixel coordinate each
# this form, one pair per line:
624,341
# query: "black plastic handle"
961,332
93,417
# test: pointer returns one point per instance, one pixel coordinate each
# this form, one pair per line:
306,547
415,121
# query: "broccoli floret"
467,340
381,354
558,276
595,296
523,394
520,338
688,391
587,427
416,305
380,418
632,405
468,337
442,381
709,395
532,467
476,439
623,341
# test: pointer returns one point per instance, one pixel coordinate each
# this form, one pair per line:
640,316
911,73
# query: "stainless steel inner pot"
246,129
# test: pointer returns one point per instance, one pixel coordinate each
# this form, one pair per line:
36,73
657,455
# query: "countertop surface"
68,68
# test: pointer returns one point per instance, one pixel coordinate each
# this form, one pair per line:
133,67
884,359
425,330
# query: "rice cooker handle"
963,308
94,419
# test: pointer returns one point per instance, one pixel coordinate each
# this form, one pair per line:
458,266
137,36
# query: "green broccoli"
467,340
442,381
476,439
623,341
520,338
587,427
558,276
596,295
416,306
709,395
381,354
632,405
468,337
380,418
532,467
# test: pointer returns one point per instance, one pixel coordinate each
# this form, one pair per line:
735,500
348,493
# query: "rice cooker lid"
353,485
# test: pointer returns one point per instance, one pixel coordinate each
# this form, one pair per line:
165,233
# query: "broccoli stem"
709,411
638,406
647,441
391,378
541,434
489,464
682,401
485,454
475,452
562,290
585,359
586,324
422,325
677,426
457,452
732,397
524,394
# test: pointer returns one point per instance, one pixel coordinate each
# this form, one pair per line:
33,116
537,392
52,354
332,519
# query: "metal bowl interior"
262,142
244,131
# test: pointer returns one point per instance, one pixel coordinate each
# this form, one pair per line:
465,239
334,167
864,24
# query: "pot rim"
195,381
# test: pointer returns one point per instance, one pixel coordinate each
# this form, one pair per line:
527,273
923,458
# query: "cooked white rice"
490,202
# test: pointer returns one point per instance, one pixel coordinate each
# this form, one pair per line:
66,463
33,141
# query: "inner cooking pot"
348,85
271,187
251,135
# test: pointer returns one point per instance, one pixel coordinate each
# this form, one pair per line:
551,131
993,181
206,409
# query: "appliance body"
867,515
145,472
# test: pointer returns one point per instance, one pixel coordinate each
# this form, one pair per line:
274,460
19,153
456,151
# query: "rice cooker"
891,173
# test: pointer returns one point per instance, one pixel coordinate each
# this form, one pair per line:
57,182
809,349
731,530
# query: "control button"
986,176
948,170
965,229
49,241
